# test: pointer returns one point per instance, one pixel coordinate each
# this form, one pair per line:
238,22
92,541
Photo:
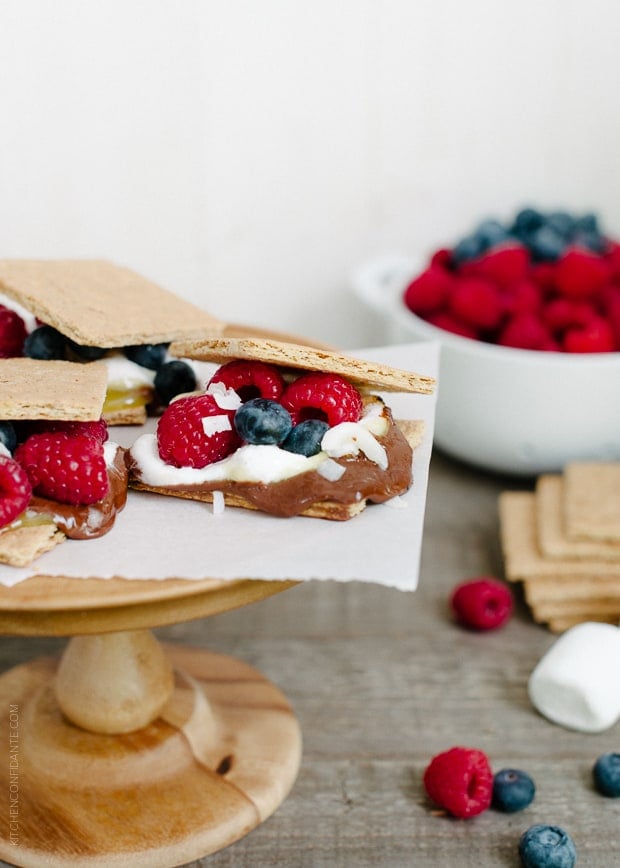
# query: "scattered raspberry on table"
483,603
460,780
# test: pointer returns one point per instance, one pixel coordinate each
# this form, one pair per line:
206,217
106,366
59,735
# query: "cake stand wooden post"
127,752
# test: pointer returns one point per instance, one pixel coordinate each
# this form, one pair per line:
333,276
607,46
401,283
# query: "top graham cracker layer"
298,356
592,500
33,389
99,304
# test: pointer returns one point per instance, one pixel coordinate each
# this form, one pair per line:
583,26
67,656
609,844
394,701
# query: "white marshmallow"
577,682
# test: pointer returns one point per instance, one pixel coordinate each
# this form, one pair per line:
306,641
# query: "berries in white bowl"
529,334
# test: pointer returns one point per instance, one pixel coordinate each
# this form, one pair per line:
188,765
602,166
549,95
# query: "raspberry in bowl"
529,327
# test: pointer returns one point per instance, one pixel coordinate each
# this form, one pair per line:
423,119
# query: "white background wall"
249,153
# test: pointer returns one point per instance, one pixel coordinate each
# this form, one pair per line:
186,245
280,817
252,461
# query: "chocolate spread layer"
362,479
95,519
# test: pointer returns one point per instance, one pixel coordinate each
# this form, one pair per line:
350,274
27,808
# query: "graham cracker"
412,429
298,356
130,416
97,303
592,500
552,538
522,556
608,607
541,589
34,389
20,546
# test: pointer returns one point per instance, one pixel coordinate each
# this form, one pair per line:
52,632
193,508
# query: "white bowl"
518,412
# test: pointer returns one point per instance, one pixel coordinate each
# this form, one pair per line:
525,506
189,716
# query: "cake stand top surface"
57,606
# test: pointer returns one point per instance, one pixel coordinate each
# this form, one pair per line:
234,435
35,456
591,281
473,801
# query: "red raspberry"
502,265
250,379
319,395
562,313
595,337
543,275
98,429
15,490
429,291
449,323
182,432
611,307
580,273
461,781
612,256
521,297
524,331
12,333
484,603
442,258
477,302
69,469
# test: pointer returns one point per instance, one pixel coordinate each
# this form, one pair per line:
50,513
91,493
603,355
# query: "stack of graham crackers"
563,542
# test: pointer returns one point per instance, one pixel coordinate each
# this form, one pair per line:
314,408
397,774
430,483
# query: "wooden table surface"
381,681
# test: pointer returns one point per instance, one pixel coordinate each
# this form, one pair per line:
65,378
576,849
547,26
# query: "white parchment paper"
157,537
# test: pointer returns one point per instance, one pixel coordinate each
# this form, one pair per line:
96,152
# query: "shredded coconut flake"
219,503
216,424
225,398
330,470
349,438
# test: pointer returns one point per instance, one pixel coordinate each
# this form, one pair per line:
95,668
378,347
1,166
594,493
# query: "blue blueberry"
588,223
45,343
151,356
469,247
8,437
606,772
593,241
547,847
513,790
172,379
546,243
86,354
491,233
305,438
562,222
263,422
526,221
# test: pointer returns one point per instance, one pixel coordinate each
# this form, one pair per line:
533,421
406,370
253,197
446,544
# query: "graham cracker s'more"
282,428
60,475
104,310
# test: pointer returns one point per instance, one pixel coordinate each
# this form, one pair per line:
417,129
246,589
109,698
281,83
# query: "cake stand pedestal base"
218,758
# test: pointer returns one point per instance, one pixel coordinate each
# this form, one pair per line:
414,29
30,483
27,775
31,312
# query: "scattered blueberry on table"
543,846
606,773
513,790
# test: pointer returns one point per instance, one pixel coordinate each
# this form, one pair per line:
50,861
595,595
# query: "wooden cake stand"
125,753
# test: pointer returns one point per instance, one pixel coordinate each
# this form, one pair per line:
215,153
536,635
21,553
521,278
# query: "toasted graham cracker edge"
34,389
298,356
21,546
413,431
550,526
98,303
592,500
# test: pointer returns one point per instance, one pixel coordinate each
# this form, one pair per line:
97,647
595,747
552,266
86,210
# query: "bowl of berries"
527,314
